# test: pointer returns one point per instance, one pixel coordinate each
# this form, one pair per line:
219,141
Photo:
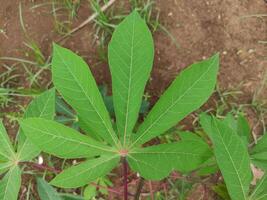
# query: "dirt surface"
231,27
200,28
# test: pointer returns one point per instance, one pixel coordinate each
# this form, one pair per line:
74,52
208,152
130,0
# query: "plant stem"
125,178
151,190
41,167
139,189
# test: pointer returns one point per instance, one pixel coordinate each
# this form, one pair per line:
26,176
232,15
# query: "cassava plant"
14,157
231,138
103,145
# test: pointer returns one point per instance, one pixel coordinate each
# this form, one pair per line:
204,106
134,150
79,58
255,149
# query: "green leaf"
205,122
5,166
10,184
261,145
60,140
156,162
208,170
71,197
259,152
6,148
260,191
232,158
221,190
45,191
89,192
260,160
186,135
243,129
73,79
63,109
86,172
240,126
262,164
42,106
187,93
131,54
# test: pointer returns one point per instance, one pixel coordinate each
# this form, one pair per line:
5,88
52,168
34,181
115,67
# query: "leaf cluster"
131,54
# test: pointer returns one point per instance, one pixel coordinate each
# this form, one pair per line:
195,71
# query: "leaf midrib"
169,152
232,161
175,102
129,85
9,175
82,89
72,140
258,186
25,141
94,166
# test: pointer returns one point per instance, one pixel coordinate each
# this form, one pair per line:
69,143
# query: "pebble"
170,14
251,50
239,52
40,160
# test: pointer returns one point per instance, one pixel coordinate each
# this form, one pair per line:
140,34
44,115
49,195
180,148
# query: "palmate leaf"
158,161
6,148
46,191
260,191
73,79
130,53
42,106
10,184
60,140
85,172
232,157
187,93
130,59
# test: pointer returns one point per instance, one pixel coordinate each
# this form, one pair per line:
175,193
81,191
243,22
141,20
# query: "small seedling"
131,54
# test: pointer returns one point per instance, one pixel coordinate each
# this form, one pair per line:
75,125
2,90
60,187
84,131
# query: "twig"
139,189
87,21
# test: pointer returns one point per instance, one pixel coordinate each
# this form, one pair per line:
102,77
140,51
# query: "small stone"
40,160
251,50
170,14
224,52
239,52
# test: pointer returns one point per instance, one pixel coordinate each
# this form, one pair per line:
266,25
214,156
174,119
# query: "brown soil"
201,28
